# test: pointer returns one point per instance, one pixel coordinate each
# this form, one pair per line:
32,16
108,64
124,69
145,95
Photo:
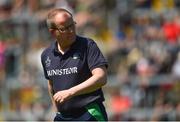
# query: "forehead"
62,18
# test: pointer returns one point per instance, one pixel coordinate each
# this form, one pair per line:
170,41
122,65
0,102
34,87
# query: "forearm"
51,93
95,82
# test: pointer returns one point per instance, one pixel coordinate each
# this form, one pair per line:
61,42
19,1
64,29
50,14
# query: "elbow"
101,76
103,80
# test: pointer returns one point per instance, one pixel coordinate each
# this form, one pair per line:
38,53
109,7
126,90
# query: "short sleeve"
95,57
43,65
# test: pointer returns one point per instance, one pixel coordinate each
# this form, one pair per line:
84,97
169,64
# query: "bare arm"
51,93
96,81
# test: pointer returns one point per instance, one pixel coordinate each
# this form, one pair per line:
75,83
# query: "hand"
62,96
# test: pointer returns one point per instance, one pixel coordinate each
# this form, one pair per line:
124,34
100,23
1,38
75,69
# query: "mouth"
70,36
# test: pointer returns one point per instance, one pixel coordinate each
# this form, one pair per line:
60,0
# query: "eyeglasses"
70,27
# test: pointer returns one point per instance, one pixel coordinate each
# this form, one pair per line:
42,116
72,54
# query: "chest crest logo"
48,62
76,55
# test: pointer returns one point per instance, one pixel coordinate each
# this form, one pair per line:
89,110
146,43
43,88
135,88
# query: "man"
75,69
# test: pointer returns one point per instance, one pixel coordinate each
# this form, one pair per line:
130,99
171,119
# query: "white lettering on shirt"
65,71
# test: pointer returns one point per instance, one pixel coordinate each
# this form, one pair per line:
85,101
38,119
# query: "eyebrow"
64,27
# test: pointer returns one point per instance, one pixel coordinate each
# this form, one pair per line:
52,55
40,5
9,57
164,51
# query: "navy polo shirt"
73,68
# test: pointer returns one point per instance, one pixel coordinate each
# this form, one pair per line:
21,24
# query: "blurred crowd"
140,38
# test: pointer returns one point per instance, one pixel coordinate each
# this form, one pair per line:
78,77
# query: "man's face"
65,29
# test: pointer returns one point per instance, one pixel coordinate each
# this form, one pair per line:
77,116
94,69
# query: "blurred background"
140,39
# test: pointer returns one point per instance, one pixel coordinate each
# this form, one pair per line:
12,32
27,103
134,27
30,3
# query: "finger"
56,95
55,98
58,98
61,100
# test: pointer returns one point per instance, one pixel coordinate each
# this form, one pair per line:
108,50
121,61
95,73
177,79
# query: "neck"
62,49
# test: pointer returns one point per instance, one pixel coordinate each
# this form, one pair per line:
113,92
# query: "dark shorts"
92,112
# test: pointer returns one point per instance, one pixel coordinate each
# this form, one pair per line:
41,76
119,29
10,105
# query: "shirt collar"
73,46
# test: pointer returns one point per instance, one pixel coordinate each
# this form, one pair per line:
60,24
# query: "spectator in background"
2,60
